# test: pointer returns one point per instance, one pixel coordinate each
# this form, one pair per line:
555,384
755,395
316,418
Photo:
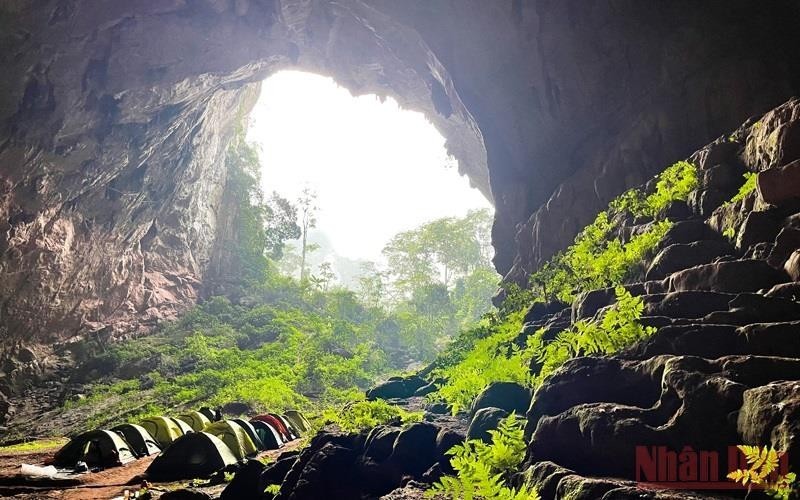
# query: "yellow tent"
196,420
298,421
163,429
233,435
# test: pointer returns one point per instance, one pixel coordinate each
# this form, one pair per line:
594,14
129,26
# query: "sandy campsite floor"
103,485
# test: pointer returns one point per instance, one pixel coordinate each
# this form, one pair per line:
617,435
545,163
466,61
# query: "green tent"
196,420
251,431
163,429
270,438
233,435
194,455
142,443
298,421
98,448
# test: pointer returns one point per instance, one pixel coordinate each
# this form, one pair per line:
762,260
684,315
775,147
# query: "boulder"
689,231
508,396
678,257
426,389
758,227
247,482
437,408
779,185
538,310
689,304
725,177
380,442
790,291
747,275
326,474
676,210
485,420
397,387
276,472
415,449
237,408
770,415
704,201
445,440
792,266
787,241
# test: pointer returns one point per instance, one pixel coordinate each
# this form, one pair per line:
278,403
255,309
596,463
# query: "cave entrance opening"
374,168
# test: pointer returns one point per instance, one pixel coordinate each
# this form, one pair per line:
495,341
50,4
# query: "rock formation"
723,367
114,119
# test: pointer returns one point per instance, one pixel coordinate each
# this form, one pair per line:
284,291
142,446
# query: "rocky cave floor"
722,369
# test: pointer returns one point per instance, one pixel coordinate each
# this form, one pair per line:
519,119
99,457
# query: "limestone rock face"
114,118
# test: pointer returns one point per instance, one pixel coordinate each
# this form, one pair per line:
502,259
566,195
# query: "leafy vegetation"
673,184
619,328
763,471
33,446
750,179
362,415
600,257
494,358
481,468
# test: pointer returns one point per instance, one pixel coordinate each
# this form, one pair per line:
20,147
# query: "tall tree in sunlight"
307,203
441,251
372,285
281,225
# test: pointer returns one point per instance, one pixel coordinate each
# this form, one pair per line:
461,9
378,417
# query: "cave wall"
114,118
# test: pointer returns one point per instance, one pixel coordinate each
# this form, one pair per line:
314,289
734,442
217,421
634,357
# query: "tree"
324,276
372,286
281,225
308,220
442,251
411,262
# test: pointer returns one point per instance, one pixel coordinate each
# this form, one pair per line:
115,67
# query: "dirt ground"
104,485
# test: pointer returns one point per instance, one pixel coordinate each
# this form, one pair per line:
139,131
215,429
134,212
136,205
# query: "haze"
377,169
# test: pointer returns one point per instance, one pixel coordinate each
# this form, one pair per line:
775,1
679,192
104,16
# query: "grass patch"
34,446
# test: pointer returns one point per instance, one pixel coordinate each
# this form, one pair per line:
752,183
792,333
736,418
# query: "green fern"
481,468
619,328
750,179
763,462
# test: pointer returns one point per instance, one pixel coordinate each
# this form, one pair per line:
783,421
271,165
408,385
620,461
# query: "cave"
116,115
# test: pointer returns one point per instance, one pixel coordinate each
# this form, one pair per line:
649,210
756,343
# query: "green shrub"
674,184
596,260
482,469
619,328
362,415
495,358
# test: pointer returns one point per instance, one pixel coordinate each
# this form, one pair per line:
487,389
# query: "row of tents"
192,445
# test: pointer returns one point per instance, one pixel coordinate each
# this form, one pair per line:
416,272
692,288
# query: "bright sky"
377,169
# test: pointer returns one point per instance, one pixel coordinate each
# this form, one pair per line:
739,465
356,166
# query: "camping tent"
194,455
251,432
269,436
163,429
184,427
99,448
211,415
234,436
298,421
141,442
276,424
196,420
293,434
